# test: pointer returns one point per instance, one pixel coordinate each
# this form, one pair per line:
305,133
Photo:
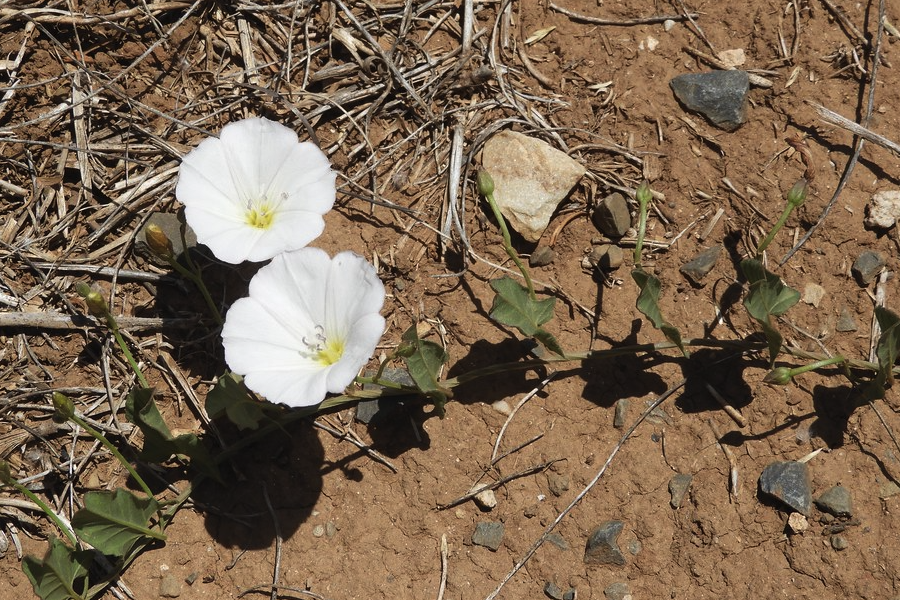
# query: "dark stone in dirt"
617,591
370,412
488,534
867,266
541,257
558,541
606,257
845,321
553,591
570,595
678,487
601,548
612,216
558,483
621,412
839,542
788,482
700,266
836,501
720,96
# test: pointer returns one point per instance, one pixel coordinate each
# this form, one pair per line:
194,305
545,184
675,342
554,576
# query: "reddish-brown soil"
352,528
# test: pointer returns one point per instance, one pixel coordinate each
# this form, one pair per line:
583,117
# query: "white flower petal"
301,305
258,182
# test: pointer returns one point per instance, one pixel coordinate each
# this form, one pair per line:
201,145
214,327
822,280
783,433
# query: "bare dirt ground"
100,99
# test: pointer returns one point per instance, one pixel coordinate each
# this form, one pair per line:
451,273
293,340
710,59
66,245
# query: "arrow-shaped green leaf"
61,574
115,522
648,304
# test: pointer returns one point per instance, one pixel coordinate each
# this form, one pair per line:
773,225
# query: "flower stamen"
260,214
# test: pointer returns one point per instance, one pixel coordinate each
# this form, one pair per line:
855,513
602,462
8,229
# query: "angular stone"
541,257
678,487
553,591
558,483
601,548
883,210
488,534
621,413
845,321
617,591
867,266
789,483
839,542
530,178
720,96
169,586
836,501
813,293
612,216
700,266
558,541
606,258
485,499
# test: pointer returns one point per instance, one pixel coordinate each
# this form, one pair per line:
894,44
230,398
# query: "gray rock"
612,216
488,534
700,266
839,542
867,266
621,413
836,501
883,210
541,257
720,96
369,411
169,586
617,591
845,321
606,257
553,591
789,483
558,541
558,483
530,178
678,487
601,548
570,595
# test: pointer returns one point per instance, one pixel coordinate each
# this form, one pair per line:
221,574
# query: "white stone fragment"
668,24
502,407
798,523
530,178
733,58
883,210
813,294
485,499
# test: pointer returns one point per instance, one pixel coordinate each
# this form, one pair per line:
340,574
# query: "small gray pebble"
678,487
621,412
839,542
488,534
720,96
700,266
788,482
601,548
836,501
541,257
612,216
617,591
553,591
558,484
867,266
318,531
845,321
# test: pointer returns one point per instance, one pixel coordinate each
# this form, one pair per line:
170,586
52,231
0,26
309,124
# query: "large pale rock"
530,178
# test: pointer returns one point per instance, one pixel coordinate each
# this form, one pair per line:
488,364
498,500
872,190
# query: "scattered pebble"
888,489
558,541
788,482
700,266
530,178
570,595
678,487
617,591
867,266
720,96
606,258
485,499
836,501
668,24
612,216
845,321
621,413
839,542
553,591
798,523
813,293
601,546
883,210
558,483
318,531
488,534
502,407
541,257
330,529
169,586
733,58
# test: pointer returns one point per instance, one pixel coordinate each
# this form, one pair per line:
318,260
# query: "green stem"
507,244
114,327
825,362
49,512
781,221
195,278
115,452
643,197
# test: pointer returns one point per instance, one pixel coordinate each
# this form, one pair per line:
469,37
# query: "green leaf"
424,360
229,397
886,351
513,306
767,297
116,522
61,574
648,304
159,443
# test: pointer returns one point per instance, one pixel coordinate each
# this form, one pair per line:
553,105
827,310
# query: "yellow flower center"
260,215
331,353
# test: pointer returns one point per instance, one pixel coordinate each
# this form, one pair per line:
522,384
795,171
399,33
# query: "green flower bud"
158,242
6,477
643,194
485,183
779,376
95,302
63,405
797,196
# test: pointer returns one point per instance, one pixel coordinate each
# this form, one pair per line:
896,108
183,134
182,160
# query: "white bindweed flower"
255,191
308,326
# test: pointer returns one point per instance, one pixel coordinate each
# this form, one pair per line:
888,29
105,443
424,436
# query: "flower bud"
643,194
158,242
779,376
96,305
6,477
63,405
485,183
797,196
